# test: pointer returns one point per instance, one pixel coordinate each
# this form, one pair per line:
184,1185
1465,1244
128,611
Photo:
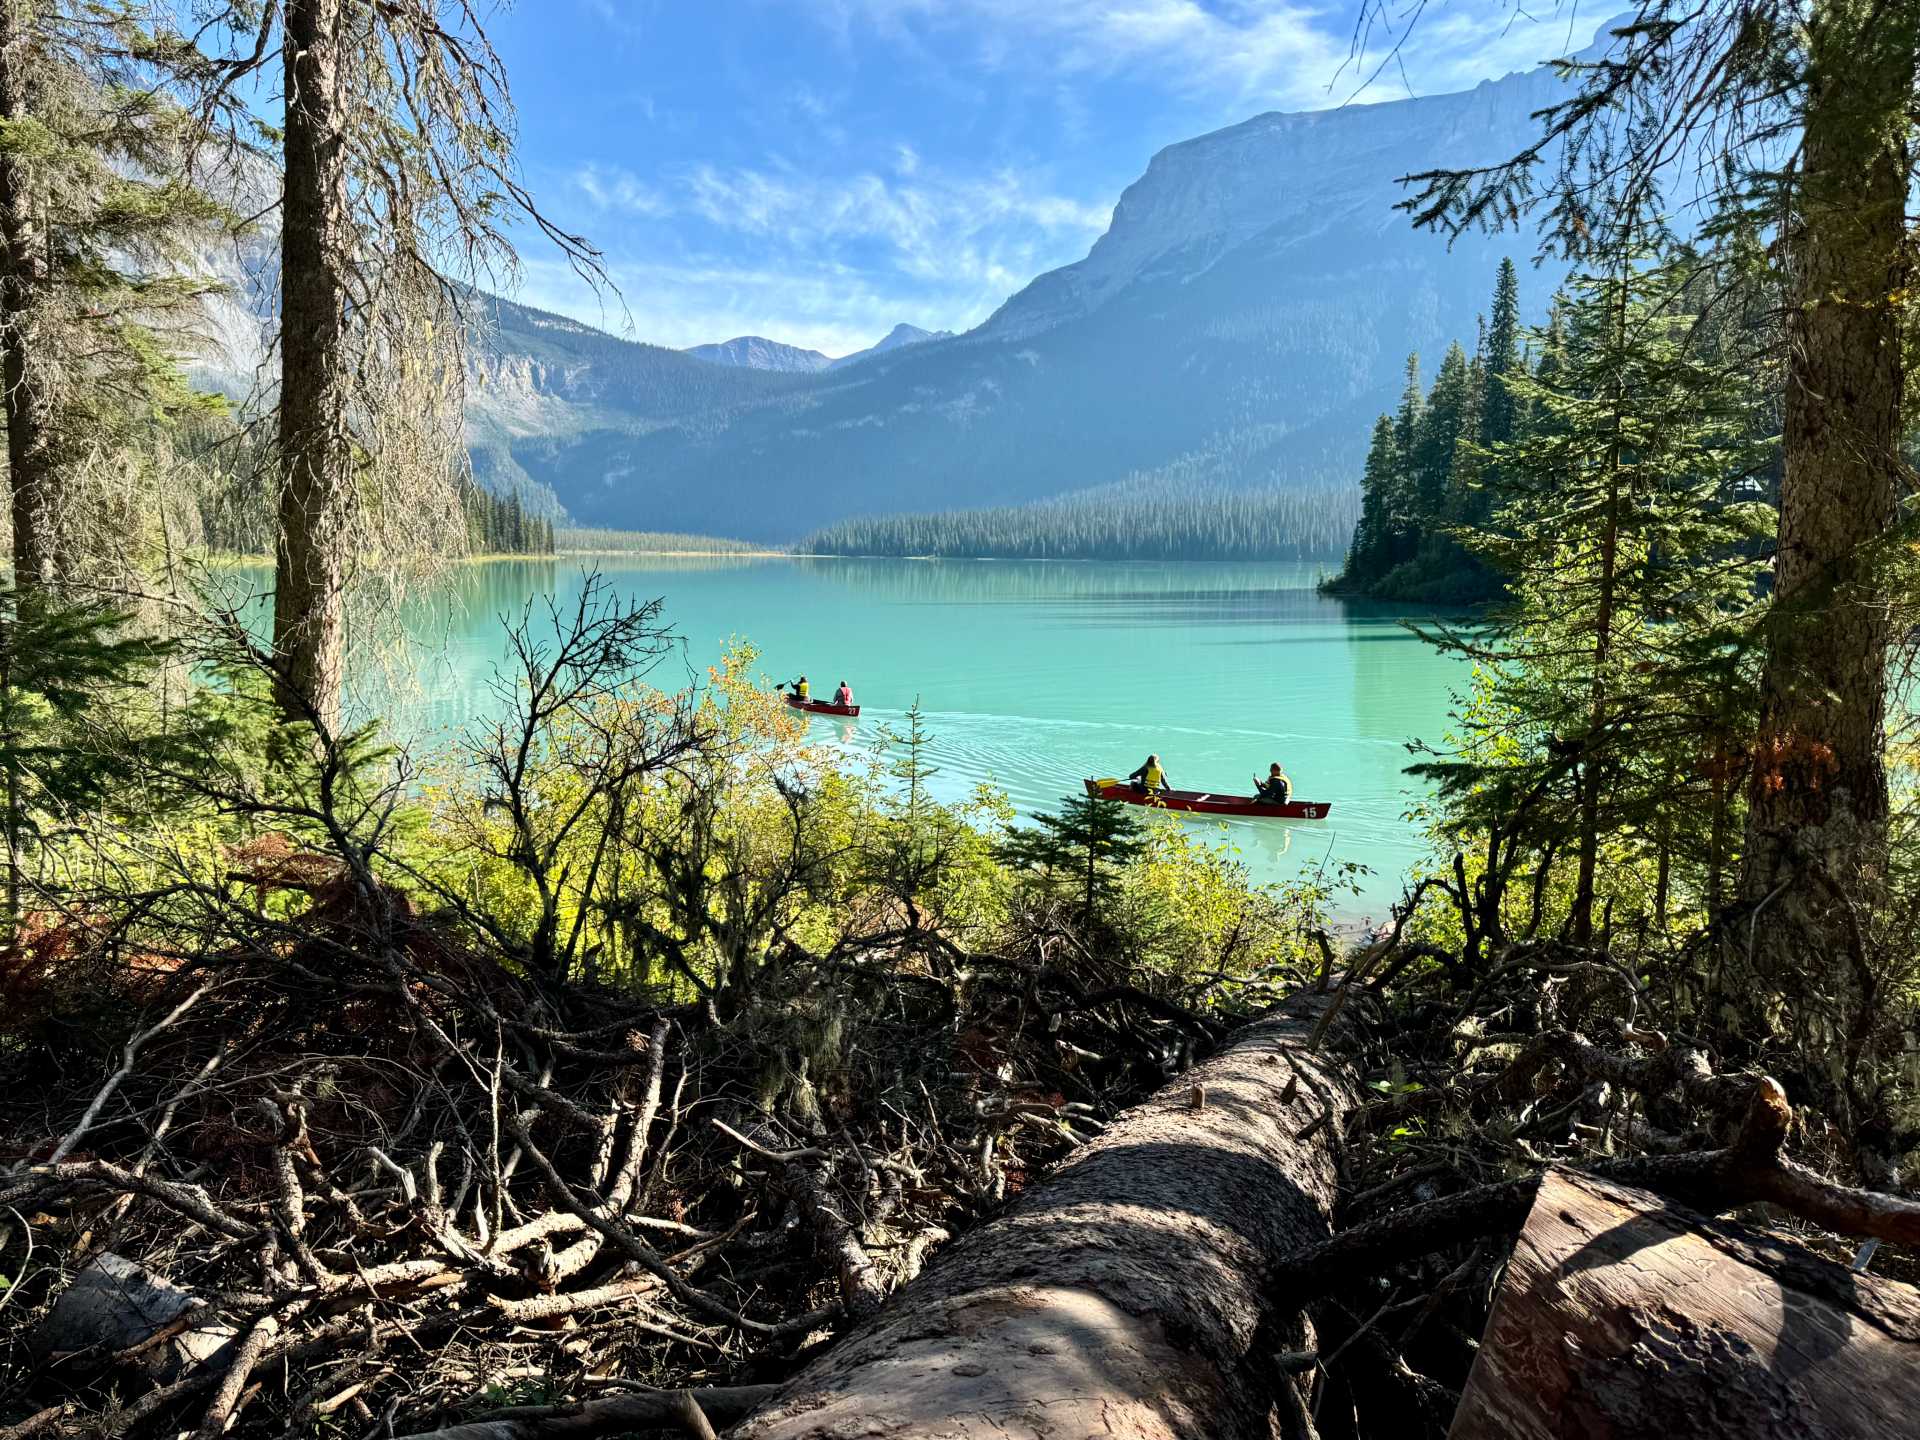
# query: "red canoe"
1199,802
819,707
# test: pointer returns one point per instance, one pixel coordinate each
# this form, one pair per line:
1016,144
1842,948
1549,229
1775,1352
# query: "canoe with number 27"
821,707
1200,802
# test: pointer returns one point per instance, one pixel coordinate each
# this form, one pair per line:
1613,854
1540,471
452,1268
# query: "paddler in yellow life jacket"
1149,777
800,690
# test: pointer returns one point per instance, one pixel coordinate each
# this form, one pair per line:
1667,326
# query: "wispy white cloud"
932,224
1275,52
1243,46
836,260
609,188
804,224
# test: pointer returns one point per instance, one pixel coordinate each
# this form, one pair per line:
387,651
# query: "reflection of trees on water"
619,562
1390,664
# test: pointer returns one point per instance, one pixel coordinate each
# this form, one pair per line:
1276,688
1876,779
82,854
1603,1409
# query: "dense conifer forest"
1443,467
1130,521
217,497
587,541
503,525
1424,479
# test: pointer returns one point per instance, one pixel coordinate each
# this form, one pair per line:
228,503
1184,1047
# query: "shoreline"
932,559
232,559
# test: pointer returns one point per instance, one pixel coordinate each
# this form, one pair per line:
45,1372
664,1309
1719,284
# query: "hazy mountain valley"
1244,317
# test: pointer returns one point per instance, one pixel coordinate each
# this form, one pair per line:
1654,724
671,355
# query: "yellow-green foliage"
777,840
731,849
1188,908
767,837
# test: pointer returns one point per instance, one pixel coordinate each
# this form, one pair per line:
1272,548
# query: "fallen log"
689,1411
1625,1315
1122,1295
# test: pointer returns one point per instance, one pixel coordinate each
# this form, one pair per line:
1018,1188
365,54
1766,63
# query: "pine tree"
1369,557
1615,669
1438,434
396,150
1501,359
1465,474
1442,478
97,231
1403,532
1086,842
917,842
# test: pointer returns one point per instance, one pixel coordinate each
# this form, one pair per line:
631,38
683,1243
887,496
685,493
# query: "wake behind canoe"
821,707
1200,802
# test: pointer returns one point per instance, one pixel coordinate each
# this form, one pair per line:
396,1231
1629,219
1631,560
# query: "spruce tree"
1501,358
916,843
1370,554
97,233
1085,843
1403,534
1437,436
1615,668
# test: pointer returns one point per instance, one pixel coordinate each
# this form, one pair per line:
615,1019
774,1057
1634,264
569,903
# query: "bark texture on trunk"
1591,777
316,456
1819,793
23,296
1120,1296
1623,1315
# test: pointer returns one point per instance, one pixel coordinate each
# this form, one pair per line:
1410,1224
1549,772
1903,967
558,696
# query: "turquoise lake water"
1032,675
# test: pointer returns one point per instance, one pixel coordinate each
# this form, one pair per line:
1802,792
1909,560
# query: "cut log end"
1625,1315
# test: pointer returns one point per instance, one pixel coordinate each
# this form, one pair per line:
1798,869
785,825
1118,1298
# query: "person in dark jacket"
1276,789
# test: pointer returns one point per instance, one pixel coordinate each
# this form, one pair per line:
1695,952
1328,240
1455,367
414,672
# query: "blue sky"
819,170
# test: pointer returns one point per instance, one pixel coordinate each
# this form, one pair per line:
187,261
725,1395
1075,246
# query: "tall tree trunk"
1819,791
1591,772
23,295
10,807
1717,846
316,454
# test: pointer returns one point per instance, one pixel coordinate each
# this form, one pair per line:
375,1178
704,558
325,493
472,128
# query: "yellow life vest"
1154,777
802,690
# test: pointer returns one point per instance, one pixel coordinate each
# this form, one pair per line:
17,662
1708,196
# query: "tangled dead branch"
379,1168
353,1142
